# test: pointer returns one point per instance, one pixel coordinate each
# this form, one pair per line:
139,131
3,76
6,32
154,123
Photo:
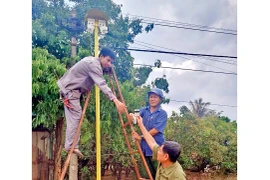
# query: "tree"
224,118
46,106
211,142
162,83
199,108
186,113
47,32
141,75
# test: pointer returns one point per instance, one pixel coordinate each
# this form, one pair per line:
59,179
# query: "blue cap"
156,91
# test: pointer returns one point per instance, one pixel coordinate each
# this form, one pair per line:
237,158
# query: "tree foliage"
141,75
211,140
162,83
46,69
46,30
225,119
198,109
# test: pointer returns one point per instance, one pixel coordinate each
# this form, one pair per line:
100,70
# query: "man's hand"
146,135
139,120
121,107
135,135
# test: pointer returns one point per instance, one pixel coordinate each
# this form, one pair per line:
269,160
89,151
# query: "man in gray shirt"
80,79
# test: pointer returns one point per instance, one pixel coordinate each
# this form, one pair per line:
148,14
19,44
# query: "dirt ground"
190,176
205,176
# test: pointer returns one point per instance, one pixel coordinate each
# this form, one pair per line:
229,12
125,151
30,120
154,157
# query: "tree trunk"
58,148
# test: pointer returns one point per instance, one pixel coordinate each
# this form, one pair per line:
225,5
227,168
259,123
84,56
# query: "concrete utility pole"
73,166
73,38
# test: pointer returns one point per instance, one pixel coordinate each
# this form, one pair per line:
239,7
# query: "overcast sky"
190,85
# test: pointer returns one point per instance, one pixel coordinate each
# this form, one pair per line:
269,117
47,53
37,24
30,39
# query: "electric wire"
179,23
140,42
207,58
181,27
187,69
175,24
209,104
168,52
196,61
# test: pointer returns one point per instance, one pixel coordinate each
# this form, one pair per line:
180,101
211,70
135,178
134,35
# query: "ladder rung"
135,152
125,125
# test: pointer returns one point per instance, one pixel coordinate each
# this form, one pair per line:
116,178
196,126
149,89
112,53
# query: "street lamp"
90,25
96,18
94,15
102,26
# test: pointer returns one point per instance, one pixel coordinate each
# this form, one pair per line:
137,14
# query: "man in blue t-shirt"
154,120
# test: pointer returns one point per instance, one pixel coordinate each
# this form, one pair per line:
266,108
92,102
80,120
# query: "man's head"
155,97
168,151
106,57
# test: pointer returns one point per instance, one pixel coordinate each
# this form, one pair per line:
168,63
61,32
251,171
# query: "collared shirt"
173,172
82,77
157,120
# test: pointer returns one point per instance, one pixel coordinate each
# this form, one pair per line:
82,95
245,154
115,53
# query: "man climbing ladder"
79,80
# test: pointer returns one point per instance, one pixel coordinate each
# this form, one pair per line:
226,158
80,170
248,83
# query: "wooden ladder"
130,125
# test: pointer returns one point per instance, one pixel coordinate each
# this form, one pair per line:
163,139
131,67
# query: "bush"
208,141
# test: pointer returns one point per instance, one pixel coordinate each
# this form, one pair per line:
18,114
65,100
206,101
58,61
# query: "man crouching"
168,167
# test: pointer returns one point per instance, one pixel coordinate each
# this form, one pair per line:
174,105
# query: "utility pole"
96,18
73,165
74,27
73,38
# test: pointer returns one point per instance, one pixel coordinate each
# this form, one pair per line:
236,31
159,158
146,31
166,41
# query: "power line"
181,27
188,69
212,59
179,55
140,42
209,104
167,52
182,23
186,58
206,58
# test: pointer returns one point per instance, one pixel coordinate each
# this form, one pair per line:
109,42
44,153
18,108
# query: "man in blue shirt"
154,120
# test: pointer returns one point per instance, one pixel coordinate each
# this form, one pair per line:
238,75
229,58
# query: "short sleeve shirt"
173,172
157,120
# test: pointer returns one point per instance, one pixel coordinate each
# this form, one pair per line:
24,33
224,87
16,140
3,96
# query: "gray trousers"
73,116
